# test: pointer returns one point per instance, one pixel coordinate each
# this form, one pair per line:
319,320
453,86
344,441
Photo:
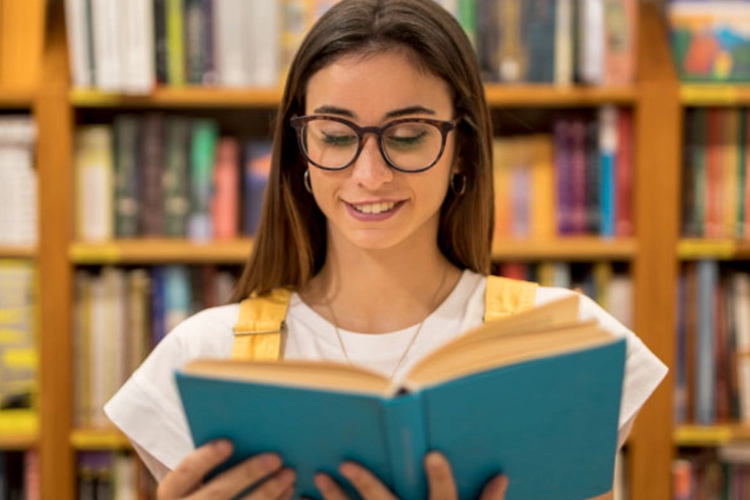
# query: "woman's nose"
370,169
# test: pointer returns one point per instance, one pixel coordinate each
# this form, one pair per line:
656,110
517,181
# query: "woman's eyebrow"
396,113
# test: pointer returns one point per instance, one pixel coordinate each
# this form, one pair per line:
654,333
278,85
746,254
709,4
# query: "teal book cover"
550,424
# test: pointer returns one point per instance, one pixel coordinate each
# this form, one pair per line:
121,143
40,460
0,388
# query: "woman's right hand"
186,481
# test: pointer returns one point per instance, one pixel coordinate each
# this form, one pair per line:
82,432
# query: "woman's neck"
378,291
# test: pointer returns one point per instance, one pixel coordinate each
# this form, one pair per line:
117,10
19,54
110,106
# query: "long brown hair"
290,245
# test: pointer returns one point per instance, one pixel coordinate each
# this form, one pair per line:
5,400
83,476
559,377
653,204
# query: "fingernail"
349,470
270,461
434,460
222,446
502,485
287,476
322,482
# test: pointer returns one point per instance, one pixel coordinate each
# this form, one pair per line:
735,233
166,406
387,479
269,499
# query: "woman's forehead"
375,84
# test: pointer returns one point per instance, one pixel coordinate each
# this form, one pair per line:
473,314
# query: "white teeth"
375,208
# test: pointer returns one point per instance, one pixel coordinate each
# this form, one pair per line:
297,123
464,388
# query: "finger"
191,471
365,482
283,495
440,477
232,482
495,489
328,487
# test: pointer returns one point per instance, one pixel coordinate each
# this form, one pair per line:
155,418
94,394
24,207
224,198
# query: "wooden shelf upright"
657,221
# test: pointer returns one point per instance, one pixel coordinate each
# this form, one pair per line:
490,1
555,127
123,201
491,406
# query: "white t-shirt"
148,410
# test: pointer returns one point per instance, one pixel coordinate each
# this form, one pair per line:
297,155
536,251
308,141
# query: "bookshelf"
715,435
655,99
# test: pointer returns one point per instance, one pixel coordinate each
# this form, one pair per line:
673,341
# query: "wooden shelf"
721,249
148,251
714,95
18,442
17,252
19,429
715,435
179,97
557,96
582,248
497,95
162,251
99,439
15,97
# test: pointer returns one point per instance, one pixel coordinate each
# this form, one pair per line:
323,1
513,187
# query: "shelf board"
98,439
14,97
162,251
17,252
150,251
579,248
714,94
178,97
557,96
720,249
19,429
497,95
714,435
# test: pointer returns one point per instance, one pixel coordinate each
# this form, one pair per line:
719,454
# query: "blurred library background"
134,154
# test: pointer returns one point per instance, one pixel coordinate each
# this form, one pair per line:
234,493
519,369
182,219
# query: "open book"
535,396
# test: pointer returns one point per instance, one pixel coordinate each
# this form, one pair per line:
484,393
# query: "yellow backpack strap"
504,297
257,334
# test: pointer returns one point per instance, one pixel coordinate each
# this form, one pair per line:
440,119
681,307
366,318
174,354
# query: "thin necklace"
411,341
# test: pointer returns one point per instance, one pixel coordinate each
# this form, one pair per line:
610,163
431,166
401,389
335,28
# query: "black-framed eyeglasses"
408,145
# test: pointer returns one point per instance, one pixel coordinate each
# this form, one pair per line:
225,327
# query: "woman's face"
368,204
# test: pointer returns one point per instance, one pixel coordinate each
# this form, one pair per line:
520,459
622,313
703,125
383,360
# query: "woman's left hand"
439,476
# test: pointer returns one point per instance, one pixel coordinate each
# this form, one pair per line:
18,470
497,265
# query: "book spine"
405,431
203,148
538,23
705,382
175,42
608,151
126,178
161,54
75,18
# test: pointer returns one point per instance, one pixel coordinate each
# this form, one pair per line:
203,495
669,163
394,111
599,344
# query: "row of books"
18,181
555,41
167,176
19,475
712,345
121,314
113,475
576,181
18,326
131,46
608,284
708,474
710,40
716,192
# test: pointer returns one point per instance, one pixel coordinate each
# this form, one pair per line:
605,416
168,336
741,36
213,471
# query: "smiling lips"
374,211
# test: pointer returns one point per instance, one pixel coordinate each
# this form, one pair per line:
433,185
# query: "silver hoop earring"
458,183
306,181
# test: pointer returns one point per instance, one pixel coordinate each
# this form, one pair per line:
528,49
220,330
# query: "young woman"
379,216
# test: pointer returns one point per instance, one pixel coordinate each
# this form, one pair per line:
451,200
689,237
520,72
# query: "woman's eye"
339,140
406,140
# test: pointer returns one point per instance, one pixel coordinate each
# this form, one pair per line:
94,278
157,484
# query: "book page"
323,375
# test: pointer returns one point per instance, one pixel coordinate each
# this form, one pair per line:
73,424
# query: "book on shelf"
712,344
18,181
533,395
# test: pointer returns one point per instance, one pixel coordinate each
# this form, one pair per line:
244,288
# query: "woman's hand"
186,481
439,477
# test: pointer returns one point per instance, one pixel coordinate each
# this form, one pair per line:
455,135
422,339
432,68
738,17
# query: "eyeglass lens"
409,145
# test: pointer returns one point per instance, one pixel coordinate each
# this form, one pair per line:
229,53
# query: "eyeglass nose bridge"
378,133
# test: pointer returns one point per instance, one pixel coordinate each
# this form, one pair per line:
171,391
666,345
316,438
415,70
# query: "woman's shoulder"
206,333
